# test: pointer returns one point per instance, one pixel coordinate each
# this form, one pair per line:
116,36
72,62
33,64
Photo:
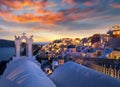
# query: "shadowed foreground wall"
24,73
75,75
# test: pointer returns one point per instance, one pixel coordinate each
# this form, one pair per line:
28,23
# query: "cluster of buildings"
96,46
100,46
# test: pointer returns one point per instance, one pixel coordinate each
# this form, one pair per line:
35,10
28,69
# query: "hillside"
6,43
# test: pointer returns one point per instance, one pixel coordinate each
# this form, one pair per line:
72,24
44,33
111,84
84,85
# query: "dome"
75,75
24,73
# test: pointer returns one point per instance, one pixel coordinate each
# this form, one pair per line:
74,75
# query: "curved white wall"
24,73
75,75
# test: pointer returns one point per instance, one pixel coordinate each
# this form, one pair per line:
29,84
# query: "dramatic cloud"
39,12
20,4
58,16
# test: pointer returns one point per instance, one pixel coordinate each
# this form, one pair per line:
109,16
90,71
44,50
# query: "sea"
6,53
42,43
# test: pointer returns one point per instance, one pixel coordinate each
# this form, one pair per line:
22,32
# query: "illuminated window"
114,33
118,32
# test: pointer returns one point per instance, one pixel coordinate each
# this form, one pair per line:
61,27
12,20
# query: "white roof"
75,75
24,73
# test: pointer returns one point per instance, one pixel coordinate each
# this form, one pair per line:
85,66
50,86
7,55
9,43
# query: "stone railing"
108,71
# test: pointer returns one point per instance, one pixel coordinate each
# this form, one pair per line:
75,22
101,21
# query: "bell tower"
18,42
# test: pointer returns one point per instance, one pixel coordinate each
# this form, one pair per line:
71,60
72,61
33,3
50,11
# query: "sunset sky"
53,19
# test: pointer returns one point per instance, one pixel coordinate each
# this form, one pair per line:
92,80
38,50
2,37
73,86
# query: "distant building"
114,31
114,43
114,37
57,62
96,45
115,54
71,49
61,61
71,52
54,64
95,38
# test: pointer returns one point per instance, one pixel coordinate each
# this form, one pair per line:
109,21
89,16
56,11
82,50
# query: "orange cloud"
20,4
68,1
42,16
27,18
48,17
5,15
113,5
90,3
43,12
52,4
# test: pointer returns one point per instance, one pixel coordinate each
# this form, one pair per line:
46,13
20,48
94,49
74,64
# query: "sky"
48,20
